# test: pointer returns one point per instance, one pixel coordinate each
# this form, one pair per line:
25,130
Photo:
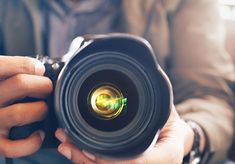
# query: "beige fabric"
136,13
194,42
201,69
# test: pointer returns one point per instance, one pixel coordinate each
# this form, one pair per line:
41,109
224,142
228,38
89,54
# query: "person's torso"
48,27
44,27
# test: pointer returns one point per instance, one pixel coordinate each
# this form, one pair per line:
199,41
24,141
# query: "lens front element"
107,102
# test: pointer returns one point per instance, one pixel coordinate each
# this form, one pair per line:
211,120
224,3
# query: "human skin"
175,141
21,77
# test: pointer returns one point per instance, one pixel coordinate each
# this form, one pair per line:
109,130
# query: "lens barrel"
111,97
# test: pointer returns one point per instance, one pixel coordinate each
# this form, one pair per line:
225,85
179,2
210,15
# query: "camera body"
110,96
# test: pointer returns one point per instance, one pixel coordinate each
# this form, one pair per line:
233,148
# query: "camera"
110,96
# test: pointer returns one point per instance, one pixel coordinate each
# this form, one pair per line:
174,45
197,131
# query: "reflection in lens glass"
107,102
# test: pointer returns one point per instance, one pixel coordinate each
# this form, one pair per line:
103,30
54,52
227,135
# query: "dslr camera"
110,96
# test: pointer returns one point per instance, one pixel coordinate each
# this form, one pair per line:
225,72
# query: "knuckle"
26,65
21,81
16,114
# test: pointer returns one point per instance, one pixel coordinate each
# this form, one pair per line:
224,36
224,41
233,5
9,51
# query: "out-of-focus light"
227,2
227,9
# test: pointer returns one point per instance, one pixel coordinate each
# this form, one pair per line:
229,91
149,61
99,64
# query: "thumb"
11,65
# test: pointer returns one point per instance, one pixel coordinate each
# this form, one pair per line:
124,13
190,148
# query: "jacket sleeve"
202,72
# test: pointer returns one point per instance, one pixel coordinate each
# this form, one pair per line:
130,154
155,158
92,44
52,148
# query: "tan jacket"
200,69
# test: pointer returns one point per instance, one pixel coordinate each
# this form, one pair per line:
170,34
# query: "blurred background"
227,11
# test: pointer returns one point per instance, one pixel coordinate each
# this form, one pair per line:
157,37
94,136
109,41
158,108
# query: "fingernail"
39,68
60,135
42,135
89,155
65,151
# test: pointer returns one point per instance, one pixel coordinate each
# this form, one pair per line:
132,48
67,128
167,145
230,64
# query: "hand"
174,142
21,77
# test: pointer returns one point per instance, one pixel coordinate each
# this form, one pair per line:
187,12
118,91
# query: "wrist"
190,137
196,153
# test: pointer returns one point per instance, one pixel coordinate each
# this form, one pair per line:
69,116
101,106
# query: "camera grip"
49,124
21,132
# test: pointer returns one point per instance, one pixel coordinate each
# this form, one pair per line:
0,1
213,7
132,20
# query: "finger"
23,85
61,136
22,114
19,148
11,65
139,160
156,155
71,152
164,153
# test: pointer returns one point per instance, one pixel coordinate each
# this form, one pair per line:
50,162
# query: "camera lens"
106,102
112,98
91,100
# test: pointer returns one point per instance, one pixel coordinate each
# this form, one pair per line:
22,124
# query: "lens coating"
114,83
106,101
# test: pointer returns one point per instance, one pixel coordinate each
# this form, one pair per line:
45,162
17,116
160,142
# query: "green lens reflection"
107,102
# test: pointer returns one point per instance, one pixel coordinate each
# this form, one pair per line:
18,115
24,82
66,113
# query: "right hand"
21,77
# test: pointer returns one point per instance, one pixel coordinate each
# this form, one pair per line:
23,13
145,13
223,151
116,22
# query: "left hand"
175,141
